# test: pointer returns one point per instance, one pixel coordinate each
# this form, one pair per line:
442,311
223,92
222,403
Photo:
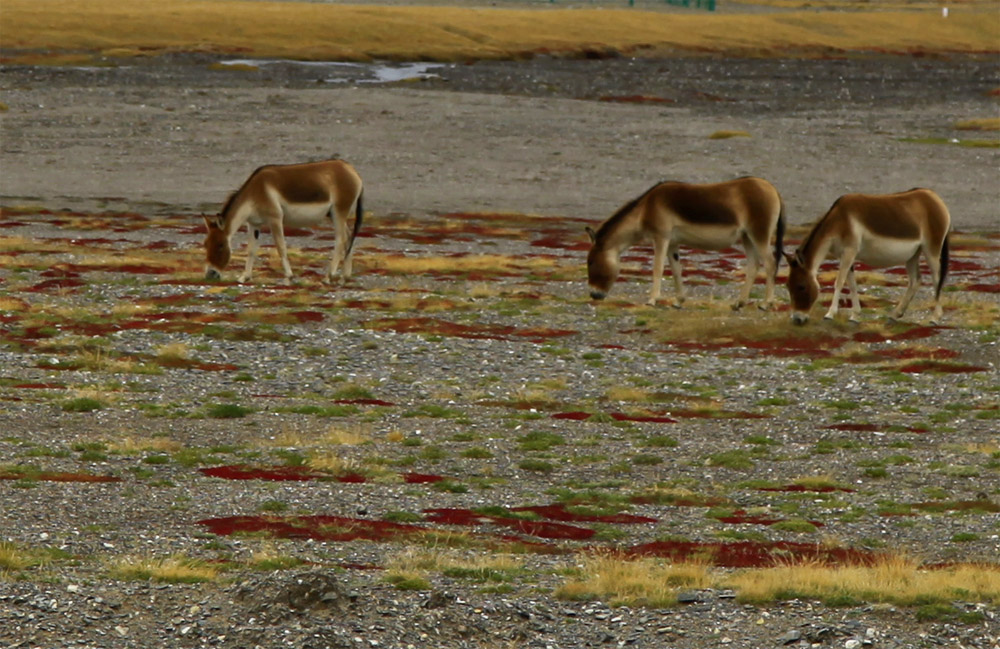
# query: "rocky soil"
500,376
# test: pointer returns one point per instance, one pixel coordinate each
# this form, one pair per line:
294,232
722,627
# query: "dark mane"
232,196
815,228
623,211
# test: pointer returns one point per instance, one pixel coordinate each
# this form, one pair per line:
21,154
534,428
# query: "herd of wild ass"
877,230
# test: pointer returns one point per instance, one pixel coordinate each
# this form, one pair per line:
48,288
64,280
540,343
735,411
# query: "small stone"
791,637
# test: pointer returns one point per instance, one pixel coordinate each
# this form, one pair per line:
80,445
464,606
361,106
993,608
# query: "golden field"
362,32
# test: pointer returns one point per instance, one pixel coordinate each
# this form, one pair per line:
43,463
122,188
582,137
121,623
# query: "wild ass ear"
591,234
212,222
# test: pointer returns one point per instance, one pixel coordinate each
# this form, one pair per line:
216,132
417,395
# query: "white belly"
305,213
705,237
881,253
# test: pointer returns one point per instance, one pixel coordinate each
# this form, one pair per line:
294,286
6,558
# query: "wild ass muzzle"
295,195
877,230
748,211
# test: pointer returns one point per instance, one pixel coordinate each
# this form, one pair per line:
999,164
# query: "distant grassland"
313,31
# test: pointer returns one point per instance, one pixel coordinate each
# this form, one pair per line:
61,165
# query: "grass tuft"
176,569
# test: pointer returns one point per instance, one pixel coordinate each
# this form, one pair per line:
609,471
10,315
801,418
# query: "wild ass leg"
349,257
846,262
278,232
253,241
753,263
340,231
771,269
913,272
659,251
852,285
934,261
675,272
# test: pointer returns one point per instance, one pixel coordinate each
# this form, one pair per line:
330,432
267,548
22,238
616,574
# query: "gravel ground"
142,148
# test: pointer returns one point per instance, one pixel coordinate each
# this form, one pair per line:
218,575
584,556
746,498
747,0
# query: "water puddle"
346,72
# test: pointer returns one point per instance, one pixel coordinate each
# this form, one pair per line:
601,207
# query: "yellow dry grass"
627,393
335,435
980,124
649,582
355,32
422,561
173,352
132,446
14,557
896,579
173,569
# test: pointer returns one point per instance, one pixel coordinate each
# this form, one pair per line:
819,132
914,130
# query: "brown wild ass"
708,217
296,195
880,231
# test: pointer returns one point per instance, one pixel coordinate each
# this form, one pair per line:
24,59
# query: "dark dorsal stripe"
806,245
698,205
890,217
296,189
622,212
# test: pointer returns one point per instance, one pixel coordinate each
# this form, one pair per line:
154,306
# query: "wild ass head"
217,248
803,287
602,266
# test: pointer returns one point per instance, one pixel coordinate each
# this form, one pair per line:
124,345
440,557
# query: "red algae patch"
617,416
56,285
541,529
319,528
302,474
750,554
274,474
943,368
813,346
740,517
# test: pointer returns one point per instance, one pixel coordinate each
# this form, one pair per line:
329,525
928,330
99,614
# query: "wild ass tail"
943,272
779,249
359,213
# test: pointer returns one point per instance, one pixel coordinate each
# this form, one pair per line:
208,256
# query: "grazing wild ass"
880,231
708,217
296,195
